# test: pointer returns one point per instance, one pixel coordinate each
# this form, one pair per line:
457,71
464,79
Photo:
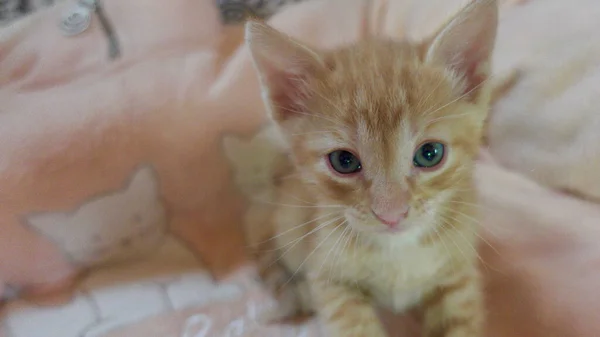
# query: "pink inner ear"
284,66
473,73
466,43
287,94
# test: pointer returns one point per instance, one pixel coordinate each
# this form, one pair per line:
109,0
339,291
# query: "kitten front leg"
456,308
344,310
294,303
291,291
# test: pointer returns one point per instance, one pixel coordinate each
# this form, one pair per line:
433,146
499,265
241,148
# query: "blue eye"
429,155
344,162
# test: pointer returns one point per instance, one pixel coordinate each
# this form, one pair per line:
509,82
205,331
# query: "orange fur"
381,100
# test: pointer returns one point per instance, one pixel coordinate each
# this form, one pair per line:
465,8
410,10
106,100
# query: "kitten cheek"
356,220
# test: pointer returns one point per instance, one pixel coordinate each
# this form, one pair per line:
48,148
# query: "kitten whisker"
312,231
445,226
331,250
476,221
487,226
344,248
307,202
442,233
474,231
441,239
313,251
470,204
358,243
297,206
295,242
299,226
470,245
333,264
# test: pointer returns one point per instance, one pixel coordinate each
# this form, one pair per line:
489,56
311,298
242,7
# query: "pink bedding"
160,139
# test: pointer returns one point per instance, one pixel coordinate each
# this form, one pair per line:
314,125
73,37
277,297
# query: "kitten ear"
465,44
284,65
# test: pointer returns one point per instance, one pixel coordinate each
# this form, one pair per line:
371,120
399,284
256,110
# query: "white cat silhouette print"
114,227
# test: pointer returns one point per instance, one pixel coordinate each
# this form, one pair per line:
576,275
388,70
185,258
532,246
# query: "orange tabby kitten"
379,207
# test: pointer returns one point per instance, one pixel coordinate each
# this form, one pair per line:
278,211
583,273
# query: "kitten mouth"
393,230
378,228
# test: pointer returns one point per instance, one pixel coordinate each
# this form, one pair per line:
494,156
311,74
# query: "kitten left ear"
465,44
284,65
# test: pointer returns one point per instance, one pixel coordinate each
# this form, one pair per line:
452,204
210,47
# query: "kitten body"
384,225
351,272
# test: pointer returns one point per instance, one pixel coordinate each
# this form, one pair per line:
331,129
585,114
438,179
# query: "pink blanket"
136,171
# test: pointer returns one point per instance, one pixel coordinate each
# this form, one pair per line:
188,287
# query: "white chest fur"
396,271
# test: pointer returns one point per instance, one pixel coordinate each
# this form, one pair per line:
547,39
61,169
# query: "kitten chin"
380,203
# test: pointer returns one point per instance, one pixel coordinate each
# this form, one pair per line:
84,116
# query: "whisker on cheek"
474,249
333,247
441,238
446,228
297,206
301,226
474,231
470,204
313,251
448,209
295,242
345,247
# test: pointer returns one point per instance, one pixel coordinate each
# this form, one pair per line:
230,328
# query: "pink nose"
391,218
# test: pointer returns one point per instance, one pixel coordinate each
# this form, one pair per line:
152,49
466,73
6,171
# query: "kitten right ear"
284,65
466,42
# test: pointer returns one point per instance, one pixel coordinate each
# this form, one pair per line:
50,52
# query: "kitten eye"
344,162
429,155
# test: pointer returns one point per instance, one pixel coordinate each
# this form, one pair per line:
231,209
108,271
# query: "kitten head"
387,129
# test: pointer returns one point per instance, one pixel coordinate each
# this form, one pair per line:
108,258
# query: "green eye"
429,155
344,162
